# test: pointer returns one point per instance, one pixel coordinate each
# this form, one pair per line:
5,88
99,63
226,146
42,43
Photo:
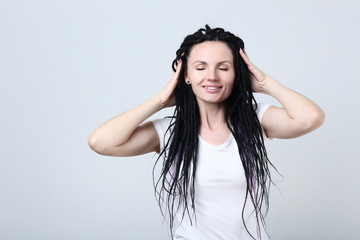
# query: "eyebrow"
203,62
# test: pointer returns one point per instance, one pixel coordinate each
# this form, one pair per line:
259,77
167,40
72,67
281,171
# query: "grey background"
68,66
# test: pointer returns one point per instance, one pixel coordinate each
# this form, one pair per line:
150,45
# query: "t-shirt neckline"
221,146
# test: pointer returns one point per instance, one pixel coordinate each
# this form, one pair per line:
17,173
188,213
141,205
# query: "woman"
215,175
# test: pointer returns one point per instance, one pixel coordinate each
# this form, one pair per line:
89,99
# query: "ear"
187,81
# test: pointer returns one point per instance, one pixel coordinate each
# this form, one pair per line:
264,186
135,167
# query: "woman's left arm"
298,116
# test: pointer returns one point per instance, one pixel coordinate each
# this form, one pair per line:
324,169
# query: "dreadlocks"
180,151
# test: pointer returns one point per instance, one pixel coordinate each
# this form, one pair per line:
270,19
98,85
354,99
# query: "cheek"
195,87
196,77
230,88
230,79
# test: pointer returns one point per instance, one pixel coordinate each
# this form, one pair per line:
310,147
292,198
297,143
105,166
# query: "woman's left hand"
258,78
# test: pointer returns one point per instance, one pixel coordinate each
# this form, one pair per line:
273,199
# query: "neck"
212,116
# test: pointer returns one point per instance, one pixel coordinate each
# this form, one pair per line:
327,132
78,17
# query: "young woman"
215,174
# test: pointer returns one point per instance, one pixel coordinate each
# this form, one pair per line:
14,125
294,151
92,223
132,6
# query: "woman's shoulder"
161,126
260,109
162,122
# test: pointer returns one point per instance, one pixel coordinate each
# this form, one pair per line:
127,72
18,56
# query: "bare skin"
128,134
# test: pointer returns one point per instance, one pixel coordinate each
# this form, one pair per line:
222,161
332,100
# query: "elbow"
92,142
95,145
317,119
313,121
320,118
99,146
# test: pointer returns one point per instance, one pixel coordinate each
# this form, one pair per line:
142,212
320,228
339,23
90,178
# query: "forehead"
210,51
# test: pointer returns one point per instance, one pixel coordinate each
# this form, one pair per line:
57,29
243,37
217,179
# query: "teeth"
212,88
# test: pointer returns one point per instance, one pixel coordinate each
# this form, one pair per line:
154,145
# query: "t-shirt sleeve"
261,109
161,125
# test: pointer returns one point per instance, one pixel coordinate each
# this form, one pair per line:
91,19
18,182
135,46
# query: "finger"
245,57
178,68
175,77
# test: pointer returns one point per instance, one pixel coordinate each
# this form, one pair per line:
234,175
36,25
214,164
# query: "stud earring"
188,82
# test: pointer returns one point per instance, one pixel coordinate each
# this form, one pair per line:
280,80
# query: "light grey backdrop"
68,66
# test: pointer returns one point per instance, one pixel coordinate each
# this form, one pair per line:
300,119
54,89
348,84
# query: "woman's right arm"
124,136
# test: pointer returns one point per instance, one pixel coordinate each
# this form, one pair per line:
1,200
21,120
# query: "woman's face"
210,69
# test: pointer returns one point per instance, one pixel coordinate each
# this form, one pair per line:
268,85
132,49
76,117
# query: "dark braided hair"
180,151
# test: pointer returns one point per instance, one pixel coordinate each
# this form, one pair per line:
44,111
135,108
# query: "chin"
212,100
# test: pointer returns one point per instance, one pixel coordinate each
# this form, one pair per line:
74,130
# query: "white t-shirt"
220,188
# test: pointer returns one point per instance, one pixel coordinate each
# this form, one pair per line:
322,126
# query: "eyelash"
201,69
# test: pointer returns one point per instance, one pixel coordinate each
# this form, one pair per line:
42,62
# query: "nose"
212,76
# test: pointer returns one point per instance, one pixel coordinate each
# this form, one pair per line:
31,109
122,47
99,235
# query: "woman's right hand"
167,94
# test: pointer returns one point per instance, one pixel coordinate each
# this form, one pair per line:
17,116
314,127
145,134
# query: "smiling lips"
212,88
